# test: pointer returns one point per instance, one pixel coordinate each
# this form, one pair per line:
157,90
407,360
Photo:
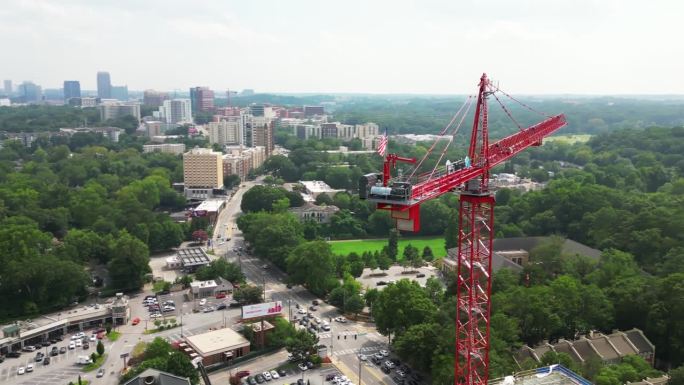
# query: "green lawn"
113,335
98,362
569,139
361,245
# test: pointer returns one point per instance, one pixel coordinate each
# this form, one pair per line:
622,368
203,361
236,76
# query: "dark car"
315,302
421,275
14,354
62,350
395,361
251,381
259,379
398,380
282,373
313,308
54,341
54,351
381,283
86,346
330,377
242,373
221,306
413,382
300,382
46,343
309,364
46,361
385,369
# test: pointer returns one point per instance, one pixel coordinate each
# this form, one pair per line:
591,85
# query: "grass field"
569,139
361,245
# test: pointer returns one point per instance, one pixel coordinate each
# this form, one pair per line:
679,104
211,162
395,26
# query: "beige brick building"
202,172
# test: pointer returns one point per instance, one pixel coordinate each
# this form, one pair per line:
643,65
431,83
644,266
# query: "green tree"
261,198
427,254
354,304
356,268
179,364
249,294
129,263
100,348
400,306
393,244
311,264
230,181
220,268
418,338
370,296
676,376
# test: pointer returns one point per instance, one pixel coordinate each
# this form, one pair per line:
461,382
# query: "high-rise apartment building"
202,99
72,89
169,148
175,111
154,98
202,172
261,130
113,110
8,87
230,130
120,92
104,85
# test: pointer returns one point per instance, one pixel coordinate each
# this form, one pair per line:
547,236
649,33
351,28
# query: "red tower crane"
470,177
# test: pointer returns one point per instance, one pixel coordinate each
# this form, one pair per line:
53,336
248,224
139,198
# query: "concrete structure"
157,377
316,187
116,109
203,289
175,111
202,172
209,208
169,148
192,258
610,349
547,375
72,89
662,380
240,160
111,133
229,130
202,99
312,212
514,182
104,85
154,98
218,345
17,335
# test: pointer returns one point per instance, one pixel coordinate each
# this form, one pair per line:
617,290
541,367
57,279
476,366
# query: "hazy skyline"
529,46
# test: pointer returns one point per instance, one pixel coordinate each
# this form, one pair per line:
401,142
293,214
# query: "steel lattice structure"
403,196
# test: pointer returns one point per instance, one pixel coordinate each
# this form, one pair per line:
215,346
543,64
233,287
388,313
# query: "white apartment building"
175,111
241,160
304,130
169,148
229,131
202,172
115,109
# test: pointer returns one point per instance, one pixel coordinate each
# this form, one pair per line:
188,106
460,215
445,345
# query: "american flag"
382,144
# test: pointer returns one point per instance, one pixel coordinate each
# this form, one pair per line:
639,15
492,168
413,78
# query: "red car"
100,335
136,321
242,373
220,295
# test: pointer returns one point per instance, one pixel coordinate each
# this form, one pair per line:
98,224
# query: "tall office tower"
175,111
262,133
8,87
104,85
72,89
154,98
29,92
202,99
120,92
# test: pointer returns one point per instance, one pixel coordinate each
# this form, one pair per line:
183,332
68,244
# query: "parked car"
421,275
203,302
242,373
208,309
155,315
72,345
21,370
302,366
15,354
267,376
313,308
251,381
309,364
62,350
362,357
54,351
384,353
282,373
29,368
86,346
259,379
274,374
315,302
381,283
100,373
220,295
135,321
46,361
29,348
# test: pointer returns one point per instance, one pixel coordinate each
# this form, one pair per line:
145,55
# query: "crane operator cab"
457,165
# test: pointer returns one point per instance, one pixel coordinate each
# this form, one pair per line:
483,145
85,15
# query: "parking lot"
395,274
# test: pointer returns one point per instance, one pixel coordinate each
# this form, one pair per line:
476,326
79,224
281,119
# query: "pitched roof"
528,243
640,341
607,352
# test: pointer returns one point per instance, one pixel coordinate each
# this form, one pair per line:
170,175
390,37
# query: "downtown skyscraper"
104,85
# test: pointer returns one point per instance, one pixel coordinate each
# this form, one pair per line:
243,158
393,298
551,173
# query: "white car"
29,368
302,366
362,357
341,319
267,376
79,343
384,353
155,315
72,345
93,338
21,370
274,374
301,311
203,302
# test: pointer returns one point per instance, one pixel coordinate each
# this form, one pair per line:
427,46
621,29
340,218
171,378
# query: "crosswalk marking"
365,349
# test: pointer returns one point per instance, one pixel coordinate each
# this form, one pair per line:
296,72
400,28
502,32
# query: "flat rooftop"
192,256
216,341
317,186
210,205
548,375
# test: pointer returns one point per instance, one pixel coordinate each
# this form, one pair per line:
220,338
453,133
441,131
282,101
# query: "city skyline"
436,47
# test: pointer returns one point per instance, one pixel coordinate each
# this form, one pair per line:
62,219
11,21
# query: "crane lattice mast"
470,178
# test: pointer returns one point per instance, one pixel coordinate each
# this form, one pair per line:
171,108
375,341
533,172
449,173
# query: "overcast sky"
529,46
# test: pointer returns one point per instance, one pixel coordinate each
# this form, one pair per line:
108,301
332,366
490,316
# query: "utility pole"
359,371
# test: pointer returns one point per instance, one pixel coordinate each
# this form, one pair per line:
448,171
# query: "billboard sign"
262,310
